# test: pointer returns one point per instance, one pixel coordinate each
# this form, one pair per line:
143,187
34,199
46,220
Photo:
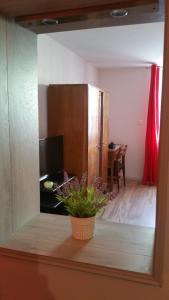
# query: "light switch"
140,122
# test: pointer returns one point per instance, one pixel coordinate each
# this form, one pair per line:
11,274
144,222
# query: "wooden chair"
112,158
116,165
119,165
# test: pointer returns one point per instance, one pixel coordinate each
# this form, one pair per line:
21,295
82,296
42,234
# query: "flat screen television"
51,155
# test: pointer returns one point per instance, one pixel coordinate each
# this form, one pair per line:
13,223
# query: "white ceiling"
122,46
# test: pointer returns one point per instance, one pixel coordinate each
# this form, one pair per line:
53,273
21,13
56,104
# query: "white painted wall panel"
129,95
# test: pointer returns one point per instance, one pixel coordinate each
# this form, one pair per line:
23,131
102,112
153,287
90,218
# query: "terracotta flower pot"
82,228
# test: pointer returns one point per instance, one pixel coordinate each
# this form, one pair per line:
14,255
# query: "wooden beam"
85,10
14,8
94,17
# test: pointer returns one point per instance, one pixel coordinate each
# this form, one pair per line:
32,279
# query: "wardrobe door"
93,133
104,134
67,116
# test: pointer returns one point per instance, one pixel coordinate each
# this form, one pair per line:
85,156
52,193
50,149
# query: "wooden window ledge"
117,250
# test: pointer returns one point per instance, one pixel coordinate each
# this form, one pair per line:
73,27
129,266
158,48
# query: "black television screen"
51,155
42,157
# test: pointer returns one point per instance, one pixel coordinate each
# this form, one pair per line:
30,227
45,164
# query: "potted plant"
83,202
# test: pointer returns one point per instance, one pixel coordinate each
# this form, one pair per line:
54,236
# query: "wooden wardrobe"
79,112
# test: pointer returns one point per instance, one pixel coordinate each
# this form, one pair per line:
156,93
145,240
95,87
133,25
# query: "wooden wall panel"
5,185
105,135
23,118
67,115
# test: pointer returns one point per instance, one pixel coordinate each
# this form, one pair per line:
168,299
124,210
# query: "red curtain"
152,134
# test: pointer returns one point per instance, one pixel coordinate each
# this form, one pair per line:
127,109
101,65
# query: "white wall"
129,94
57,64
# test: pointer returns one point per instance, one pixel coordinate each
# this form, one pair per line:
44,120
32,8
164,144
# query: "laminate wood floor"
135,204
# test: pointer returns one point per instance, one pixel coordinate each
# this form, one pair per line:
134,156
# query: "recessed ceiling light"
119,13
49,22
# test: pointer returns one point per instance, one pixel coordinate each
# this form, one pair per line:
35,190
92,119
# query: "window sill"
120,251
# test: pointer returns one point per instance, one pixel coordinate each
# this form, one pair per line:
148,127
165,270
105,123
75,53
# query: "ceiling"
120,46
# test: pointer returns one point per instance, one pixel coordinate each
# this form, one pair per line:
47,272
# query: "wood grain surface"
5,164
94,16
67,116
105,135
134,204
23,122
75,111
118,246
15,8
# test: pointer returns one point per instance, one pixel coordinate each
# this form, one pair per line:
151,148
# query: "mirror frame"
161,251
